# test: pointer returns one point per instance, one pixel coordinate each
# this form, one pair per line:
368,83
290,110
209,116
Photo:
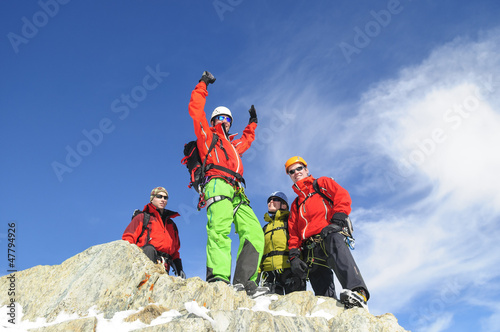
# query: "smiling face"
297,172
274,204
160,200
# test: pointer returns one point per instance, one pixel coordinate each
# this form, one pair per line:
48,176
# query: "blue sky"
396,100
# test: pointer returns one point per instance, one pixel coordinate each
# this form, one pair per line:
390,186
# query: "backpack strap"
145,223
275,253
238,177
318,190
215,138
206,167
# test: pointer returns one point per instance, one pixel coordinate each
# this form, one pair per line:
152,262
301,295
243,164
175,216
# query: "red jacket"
164,237
310,214
229,155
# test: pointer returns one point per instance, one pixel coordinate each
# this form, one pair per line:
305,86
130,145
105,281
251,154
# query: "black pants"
333,254
283,283
150,251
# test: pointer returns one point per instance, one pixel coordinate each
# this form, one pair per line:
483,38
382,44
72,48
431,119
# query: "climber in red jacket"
160,239
320,228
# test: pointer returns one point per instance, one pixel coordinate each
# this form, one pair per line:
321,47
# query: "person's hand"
178,268
207,77
298,266
332,228
253,115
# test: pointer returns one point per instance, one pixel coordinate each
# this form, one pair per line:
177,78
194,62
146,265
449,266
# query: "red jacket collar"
151,209
304,186
220,132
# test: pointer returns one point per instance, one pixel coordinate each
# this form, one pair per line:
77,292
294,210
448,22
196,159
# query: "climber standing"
156,233
320,227
223,193
275,268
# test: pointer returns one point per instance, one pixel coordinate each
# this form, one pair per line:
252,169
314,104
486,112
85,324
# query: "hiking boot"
252,289
258,291
353,298
239,287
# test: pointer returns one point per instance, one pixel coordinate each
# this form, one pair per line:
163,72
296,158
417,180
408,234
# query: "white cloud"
440,126
424,146
440,324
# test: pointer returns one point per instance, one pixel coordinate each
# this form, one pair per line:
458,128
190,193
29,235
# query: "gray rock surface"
117,276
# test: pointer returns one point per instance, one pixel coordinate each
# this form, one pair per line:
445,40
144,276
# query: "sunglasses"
161,196
222,118
298,169
274,199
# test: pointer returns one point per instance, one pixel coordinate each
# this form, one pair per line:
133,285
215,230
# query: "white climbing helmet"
221,110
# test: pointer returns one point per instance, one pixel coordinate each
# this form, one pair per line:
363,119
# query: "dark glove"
337,223
332,228
207,77
253,115
178,268
298,266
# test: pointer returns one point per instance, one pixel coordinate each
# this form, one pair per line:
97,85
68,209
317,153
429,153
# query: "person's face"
160,200
224,119
297,172
276,204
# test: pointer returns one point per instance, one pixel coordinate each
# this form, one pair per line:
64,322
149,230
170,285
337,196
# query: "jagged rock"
187,323
357,319
174,292
257,321
113,277
117,276
327,305
76,325
298,303
147,314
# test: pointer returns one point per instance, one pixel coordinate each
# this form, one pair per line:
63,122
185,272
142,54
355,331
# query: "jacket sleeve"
242,144
340,196
177,242
134,229
197,113
293,229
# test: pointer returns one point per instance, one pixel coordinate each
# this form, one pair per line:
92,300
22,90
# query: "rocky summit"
116,279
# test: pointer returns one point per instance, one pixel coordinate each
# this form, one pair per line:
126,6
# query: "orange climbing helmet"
293,160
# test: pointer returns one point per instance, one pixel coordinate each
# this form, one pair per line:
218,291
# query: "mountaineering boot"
353,298
252,289
239,287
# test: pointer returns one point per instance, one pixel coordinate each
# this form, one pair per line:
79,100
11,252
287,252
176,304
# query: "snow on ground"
117,323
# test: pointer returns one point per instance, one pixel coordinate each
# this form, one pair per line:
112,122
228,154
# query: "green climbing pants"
221,214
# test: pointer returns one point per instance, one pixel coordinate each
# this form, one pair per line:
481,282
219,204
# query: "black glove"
178,268
337,223
298,266
207,77
253,115
332,228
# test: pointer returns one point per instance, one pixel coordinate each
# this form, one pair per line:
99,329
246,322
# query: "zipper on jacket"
301,206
